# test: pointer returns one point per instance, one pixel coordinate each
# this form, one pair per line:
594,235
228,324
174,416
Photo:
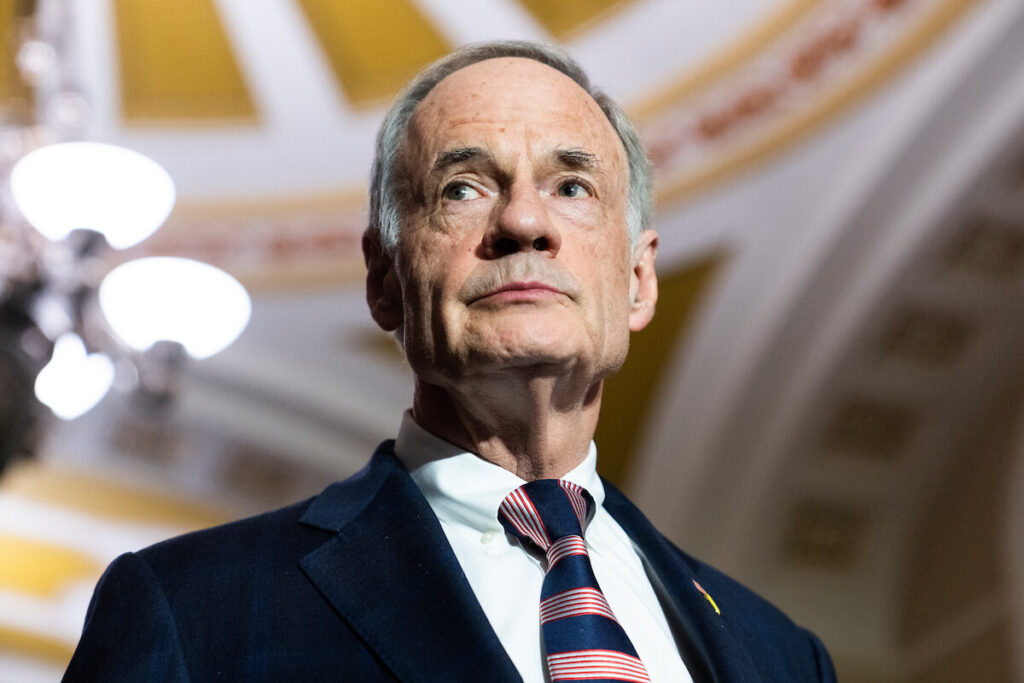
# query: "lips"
521,291
519,277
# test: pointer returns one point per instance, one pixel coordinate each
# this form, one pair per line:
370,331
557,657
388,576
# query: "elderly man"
508,250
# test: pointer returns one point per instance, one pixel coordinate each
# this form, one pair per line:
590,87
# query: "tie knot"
543,511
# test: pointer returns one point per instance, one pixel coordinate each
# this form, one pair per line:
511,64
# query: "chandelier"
74,314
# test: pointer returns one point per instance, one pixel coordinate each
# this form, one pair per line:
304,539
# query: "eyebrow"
451,157
578,159
574,158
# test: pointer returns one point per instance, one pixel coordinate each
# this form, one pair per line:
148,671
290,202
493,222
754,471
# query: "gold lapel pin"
710,599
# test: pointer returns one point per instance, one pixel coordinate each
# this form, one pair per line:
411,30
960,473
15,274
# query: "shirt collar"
464,488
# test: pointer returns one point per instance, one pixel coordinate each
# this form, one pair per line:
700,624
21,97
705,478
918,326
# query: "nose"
522,223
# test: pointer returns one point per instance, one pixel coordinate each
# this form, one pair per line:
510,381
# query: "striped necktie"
582,638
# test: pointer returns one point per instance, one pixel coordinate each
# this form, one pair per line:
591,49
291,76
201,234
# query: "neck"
534,427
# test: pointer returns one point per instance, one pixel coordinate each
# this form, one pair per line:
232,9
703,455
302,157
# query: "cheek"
435,269
418,280
581,214
448,242
612,278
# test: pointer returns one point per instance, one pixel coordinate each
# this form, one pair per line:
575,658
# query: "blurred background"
828,406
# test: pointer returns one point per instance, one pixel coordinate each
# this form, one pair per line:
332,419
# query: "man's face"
514,254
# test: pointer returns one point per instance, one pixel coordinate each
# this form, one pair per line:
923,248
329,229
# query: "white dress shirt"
465,491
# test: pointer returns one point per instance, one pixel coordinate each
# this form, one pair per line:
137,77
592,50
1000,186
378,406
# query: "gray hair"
385,199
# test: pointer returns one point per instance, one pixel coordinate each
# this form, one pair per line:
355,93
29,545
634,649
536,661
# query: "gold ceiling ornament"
33,645
566,18
176,63
106,499
41,569
374,48
271,244
789,94
756,40
16,101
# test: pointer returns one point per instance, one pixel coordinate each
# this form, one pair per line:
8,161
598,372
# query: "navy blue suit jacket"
360,583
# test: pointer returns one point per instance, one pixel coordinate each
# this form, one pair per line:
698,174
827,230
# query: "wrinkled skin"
514,284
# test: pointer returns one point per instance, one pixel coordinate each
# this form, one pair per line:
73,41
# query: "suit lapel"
390,572
710,650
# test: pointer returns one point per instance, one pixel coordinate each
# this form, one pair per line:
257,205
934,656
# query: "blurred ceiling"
841,211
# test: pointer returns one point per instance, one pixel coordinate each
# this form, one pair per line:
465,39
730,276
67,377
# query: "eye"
573,189
460,192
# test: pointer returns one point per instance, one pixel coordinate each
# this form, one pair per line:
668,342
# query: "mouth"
524,291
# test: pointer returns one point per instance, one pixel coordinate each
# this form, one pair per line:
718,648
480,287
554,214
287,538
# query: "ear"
383,291
643,284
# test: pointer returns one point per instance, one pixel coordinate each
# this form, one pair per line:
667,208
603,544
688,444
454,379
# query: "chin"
525,365
533,341
516,352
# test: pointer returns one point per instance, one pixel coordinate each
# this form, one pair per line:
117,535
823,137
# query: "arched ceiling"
840,197
265,117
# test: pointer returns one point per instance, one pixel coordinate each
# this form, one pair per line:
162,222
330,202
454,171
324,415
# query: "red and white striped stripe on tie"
584,665
573,603
564,547
579,503
519,510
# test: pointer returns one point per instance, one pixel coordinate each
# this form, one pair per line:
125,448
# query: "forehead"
509,97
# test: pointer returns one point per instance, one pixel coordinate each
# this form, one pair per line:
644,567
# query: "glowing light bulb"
74,380
112,190
174,299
